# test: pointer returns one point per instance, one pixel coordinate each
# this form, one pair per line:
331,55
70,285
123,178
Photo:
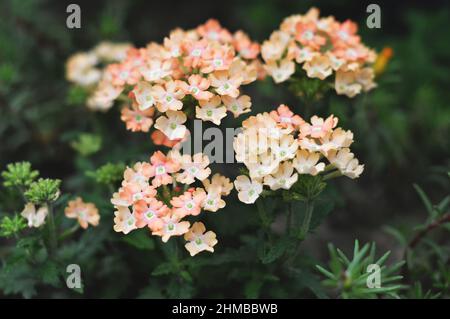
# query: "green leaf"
426,201
270,253
140,239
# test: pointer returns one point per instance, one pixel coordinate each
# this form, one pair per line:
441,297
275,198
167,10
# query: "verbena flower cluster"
323,47
197,71
278,146
86,69
159,195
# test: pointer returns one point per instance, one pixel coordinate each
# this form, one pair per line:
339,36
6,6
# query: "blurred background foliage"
401,132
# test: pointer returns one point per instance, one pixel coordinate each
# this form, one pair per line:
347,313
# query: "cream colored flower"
103,97
281,71
284,148
283,178
172,125
336,140
211,110
195,167
248,191
225,83
35,218
237,106
366,77
156,70
172,226
219,181
144,95
346,84
112,52
124,220
304,54
198,240
168,97
318,67
346,163
265,164
274,48
306,163
213,201
80,69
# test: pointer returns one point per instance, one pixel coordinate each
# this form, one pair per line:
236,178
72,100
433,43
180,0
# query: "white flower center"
160,169
189,205
196,52
218,62
308,35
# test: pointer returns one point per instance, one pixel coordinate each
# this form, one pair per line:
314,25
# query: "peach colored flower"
195,51
198,240
172,125
130,193
189,203
86,213
122,73
168,96
162,167
136,120
140,174
197,87
149,213
124,220
286,118
246,48
308,36
217,58
237,106
156,70
172,226
318,127
211,110
212,30
345,34
159,138
194,167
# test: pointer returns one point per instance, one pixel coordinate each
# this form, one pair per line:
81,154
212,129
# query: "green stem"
265,219
289,219
262,213
52,239
304,229
69,232
332,175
